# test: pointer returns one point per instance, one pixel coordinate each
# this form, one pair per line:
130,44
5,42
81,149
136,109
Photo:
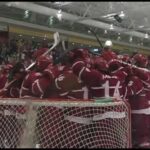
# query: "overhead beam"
50,11
70,33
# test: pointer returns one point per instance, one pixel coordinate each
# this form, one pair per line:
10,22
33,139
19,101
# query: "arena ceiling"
127,22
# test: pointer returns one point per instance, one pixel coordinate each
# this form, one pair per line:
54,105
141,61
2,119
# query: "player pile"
83,75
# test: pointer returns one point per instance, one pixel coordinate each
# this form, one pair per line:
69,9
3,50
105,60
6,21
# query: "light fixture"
109,15
108,43
26,14
57,2
146,36
118,33
141,26
105,32
20,35
111,27
59,15
130,39
119,38
122,15
51,20
9,4
89,31
32,37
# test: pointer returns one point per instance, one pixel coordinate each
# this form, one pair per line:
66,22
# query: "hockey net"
64,124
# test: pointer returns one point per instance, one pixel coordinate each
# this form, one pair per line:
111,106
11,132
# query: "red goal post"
27,123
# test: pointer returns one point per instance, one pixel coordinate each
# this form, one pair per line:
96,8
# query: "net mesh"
64,124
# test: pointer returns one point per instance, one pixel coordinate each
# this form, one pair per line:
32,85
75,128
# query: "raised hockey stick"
133,66
93,32
56,42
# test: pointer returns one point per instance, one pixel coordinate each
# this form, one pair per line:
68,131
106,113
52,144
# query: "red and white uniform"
26,88
141,108
69,86
108,55
100,85
42,87
4,75
3,79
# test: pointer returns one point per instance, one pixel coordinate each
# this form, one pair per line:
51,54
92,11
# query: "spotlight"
105,32
130,40
51,20
26,14
89,31
111,27
146,36
59,15
119,37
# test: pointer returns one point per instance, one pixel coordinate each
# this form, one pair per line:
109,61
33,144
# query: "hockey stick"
133,66
93,32
56,42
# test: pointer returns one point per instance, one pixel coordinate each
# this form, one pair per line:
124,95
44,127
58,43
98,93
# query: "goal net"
64,124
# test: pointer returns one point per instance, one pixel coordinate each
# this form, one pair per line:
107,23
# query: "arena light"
122,14
111,27
108,43
51,20
62,3
118,38
141,26
89,31
130,40
26,14
146,36
59,15
105,32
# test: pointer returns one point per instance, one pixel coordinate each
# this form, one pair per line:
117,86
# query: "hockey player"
14,81
10,122
136,97
41,63
90,77
140,60
98,82
4,75
140,103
